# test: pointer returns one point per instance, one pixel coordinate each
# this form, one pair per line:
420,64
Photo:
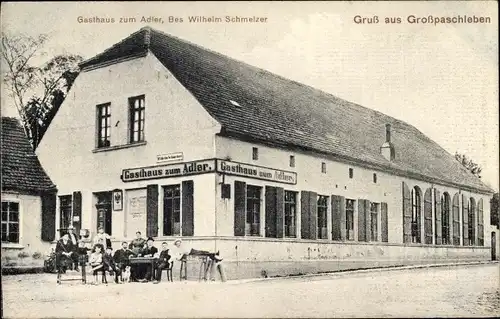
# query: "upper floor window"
290,213
375,178
104,125
323,167
137,109
255,153
292,161
351,173
10,222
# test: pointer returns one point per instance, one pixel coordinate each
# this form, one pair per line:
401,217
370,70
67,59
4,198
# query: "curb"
21,270
360,270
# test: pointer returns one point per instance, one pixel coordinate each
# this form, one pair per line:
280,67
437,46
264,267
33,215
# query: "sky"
442,79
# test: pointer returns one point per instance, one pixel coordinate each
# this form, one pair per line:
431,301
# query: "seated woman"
96,262
64,250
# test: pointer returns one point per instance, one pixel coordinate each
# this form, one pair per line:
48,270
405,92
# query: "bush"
37,255
23,254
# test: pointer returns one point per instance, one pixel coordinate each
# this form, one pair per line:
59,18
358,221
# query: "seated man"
164,262
109,263
148,251
64,252
121,259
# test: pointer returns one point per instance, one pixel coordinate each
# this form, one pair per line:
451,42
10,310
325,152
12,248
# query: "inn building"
162,136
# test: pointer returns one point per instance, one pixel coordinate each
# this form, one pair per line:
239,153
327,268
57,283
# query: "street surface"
464,291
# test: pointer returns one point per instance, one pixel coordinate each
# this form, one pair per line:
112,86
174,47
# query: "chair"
62,264
183,267
101,270
169,272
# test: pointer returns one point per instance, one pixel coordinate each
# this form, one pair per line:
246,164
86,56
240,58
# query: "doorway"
104,215
493,246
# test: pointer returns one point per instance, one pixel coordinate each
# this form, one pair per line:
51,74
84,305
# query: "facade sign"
258,172
170,157
208,166
171,170
117,199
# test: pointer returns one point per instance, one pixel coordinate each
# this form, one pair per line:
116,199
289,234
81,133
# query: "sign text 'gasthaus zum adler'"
207,166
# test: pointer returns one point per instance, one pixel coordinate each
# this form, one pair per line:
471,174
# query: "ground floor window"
10,222
172,210
65,211
445,219
322,217
349,220
290,213
374,209
253,210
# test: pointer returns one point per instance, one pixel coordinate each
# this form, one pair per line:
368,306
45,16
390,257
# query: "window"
290,213
323,167
104,125
374,209
104,211
470,220
322,219
445,219
351,173
349,220
375,178
172,210
65,211
253,210
10,222
292,161
416,203
137,108
255,153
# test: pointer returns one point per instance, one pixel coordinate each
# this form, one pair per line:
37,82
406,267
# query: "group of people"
72,252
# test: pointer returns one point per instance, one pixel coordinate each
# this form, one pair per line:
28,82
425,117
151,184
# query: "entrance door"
103,208
172,210
493,246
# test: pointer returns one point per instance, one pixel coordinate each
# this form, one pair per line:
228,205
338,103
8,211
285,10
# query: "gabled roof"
21,170
254,104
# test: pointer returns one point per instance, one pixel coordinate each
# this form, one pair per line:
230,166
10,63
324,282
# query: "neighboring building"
165,137
28,195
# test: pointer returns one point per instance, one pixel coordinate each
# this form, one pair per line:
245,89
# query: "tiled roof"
272,109
21,170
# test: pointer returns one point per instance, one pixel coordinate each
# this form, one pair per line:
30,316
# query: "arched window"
471,224
480,223
416,204
445,221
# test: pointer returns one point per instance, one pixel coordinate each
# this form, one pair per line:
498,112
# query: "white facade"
175,122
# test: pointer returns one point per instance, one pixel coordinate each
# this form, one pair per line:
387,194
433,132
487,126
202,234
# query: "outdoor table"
144,260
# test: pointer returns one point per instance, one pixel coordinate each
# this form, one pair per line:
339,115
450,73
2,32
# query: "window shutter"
280,212
271,218
456,220
304,214
240,204
361,220
407,214
48,216
428,216
480,223
438,214
77,211
384,222
465,220
313,215
338,218
152,210
473,212
187,208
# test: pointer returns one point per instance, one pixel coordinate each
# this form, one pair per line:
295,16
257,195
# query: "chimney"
387,149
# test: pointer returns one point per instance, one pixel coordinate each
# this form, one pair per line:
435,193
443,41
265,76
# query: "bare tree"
37,91
472,167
